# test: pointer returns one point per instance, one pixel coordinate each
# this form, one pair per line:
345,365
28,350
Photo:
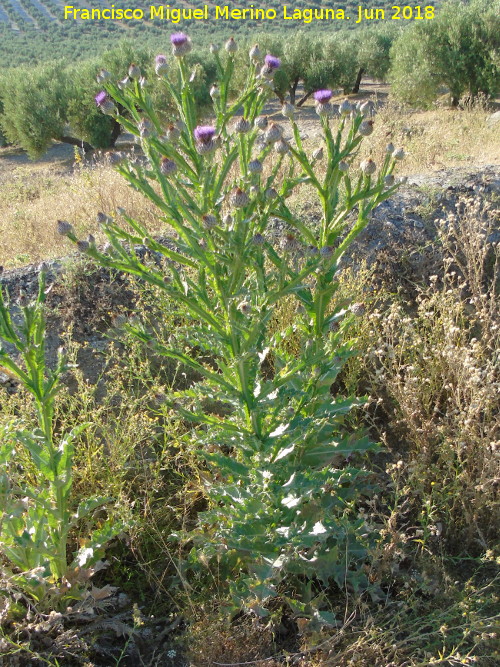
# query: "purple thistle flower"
323,96
160,59
272,62
178,38
101,97
204,133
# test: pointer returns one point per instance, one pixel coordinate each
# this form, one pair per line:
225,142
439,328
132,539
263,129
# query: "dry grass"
34,196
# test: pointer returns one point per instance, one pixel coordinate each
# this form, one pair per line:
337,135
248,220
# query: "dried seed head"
64,228
231,46
368,167
167,167
281,147
261,122
255,167
242,126
239,198
209,221
366,128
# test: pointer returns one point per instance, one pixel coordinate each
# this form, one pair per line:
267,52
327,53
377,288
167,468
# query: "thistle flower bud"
168,167
228,220
270,194
231,46
91,239
389,180
103,75
134,71
289,243
255,167
254,191
358,309
261,122
214,92
239,198
214,48
124,83
102,218
64,228
326,251
343,166
389,148
83,246
368,167
312,251
242,126
209,221
345,107
366,128
145,128
324,109
288,110
318,154
254,53
258,239
181,44
161,65
244,307
173,133
366,108
273,133
398,154
281,147
333,326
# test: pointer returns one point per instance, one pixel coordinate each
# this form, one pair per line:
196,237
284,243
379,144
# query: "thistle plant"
37,515
282,471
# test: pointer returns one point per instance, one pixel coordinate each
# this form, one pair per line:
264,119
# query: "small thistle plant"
37,512
284,472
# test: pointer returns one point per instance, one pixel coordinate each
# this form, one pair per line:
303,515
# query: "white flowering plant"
38,515
282,471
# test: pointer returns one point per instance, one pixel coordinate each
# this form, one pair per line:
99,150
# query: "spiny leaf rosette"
285,473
